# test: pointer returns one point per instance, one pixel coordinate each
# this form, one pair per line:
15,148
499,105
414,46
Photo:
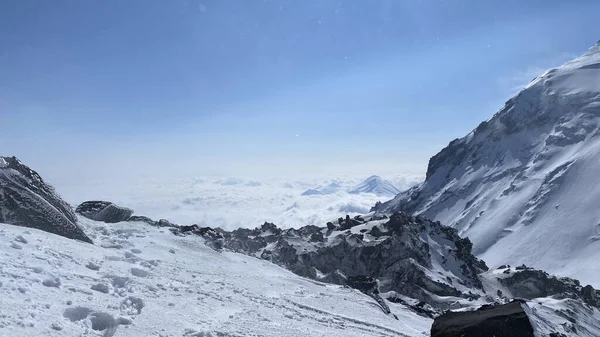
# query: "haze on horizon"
265,88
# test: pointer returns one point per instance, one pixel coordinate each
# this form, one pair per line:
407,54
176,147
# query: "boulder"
508,320
104,211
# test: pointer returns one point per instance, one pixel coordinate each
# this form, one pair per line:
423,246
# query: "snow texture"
194,292
523,186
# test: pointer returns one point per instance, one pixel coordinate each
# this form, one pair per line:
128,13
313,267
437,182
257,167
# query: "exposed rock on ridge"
104,211
27,200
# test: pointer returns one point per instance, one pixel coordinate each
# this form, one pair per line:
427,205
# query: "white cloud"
231,202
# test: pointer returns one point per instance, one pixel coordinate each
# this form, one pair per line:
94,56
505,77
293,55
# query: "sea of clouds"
233,202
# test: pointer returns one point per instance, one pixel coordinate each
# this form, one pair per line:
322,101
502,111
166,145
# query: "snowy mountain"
523,186
363,276
422,265
26,200
324,190
375,185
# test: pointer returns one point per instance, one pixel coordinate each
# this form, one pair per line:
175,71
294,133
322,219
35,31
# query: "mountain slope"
375,185
140,280
523,185
26,200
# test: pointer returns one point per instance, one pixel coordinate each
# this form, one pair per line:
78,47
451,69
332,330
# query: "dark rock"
330,226
529,284
522,267
166,223
363,283
508,320
104,211
27,200
184,229
317,237
139,218
399,257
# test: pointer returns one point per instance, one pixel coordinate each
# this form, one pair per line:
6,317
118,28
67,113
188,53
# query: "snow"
377,186
564,316
3,163
171,286
527,191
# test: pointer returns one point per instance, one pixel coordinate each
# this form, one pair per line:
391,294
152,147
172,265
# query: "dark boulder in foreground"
507,320
104,211
27,200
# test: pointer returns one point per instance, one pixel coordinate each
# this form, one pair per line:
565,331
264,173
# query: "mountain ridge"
514,180
27,200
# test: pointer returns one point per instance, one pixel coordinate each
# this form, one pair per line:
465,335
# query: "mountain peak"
533,165
376,185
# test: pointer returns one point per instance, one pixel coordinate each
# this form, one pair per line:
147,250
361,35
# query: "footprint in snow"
139,272
93,266
21,239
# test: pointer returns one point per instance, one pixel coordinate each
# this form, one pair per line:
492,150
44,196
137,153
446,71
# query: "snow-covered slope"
524,186
375,185
409,256
140,280
26,200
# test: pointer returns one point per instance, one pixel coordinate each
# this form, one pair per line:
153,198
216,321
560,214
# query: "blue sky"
257,87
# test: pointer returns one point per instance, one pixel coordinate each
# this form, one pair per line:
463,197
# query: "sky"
265,87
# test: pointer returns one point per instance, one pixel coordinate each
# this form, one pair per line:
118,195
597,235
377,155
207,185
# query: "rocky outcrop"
27,200
104,211
529,283
508,320
407,255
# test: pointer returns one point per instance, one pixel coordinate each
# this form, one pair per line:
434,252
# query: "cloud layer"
232,202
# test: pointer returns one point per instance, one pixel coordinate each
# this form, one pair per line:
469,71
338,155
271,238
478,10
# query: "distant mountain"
328,189
524,185
376,185
26,200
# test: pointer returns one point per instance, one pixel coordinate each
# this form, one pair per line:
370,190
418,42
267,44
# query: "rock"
184,229
52,282
93,266
104,211
140,218
397,254
330,226
530,283
101,287
363,283
166,223
508,320
27,200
